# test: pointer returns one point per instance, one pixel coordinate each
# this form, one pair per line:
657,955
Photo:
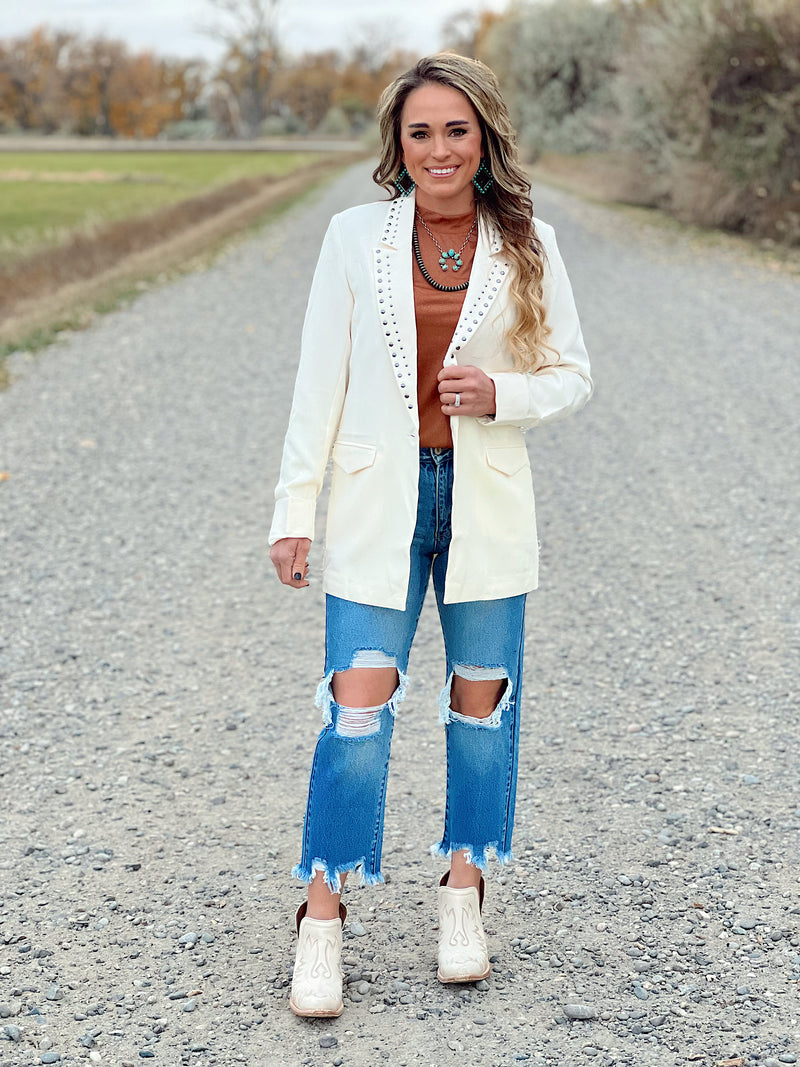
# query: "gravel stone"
580,1011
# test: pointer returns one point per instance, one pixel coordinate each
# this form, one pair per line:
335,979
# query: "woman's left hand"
475,388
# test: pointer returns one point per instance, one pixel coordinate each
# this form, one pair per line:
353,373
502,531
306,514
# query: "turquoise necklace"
451,254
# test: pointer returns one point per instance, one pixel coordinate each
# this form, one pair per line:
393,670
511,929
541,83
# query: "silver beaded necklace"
451,254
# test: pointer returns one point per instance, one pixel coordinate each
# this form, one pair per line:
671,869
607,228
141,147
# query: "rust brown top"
437,315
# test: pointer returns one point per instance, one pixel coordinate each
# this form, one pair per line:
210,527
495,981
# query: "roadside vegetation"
690,106
100,231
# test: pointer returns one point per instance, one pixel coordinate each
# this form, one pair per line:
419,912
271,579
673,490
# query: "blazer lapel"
394,289
489,270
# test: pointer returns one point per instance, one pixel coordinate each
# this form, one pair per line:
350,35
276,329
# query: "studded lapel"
489,270
394,289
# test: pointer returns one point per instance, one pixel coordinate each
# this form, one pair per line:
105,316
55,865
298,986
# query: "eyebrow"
424,125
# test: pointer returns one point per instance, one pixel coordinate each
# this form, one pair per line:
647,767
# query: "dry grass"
606,176
696,198
694,192
57,286
87,255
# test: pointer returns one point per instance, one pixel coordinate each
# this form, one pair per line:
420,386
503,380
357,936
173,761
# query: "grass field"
46,197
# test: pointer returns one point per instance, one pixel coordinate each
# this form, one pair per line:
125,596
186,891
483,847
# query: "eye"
417,135
458,132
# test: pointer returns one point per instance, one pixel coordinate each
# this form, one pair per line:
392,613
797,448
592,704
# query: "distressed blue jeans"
483,639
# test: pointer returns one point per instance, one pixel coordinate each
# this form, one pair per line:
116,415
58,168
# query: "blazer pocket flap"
508,459
352,457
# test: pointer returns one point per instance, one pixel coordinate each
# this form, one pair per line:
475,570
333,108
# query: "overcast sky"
172,27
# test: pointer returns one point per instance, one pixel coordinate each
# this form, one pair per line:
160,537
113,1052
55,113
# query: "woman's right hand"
290,555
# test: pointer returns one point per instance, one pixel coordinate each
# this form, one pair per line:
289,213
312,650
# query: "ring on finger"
457,401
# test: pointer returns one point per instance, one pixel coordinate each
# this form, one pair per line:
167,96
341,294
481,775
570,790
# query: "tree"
372,62
305,87
465,31
30,79
248,29
52,81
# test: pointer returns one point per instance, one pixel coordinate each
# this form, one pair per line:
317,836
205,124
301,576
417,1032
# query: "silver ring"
457,401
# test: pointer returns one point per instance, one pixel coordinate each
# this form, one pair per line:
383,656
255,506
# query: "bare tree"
374,41
465,31
248,29
460,32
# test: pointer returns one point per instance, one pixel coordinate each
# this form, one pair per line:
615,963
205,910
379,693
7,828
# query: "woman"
440,325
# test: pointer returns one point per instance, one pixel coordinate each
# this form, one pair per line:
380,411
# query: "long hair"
507,203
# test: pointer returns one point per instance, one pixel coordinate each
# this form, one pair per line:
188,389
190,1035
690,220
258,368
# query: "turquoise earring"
482,178
404,182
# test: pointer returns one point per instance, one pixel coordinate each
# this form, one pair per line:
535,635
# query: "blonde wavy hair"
507,204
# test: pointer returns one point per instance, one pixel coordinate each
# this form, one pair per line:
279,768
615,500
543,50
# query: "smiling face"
440,138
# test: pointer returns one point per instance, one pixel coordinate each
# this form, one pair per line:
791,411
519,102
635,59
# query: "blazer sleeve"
528,399
318,393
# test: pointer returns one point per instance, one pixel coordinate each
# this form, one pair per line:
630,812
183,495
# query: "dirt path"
157,715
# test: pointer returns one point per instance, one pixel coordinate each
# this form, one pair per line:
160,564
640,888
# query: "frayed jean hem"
473,857
332,878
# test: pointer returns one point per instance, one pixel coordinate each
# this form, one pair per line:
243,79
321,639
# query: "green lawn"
37,212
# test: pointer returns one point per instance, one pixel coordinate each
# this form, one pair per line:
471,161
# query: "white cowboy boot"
317,979
463,956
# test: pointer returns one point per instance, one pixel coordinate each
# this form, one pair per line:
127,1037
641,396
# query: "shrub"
557,62
709,92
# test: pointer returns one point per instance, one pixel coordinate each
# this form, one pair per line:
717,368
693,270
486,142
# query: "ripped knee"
475,695
372,682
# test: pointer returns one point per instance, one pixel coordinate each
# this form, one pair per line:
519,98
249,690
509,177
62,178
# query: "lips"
442,172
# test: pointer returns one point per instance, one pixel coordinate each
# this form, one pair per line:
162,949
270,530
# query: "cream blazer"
355,402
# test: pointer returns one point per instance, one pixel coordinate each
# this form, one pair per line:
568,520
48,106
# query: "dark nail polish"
297,576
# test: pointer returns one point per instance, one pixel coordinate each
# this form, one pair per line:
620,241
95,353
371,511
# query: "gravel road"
157,690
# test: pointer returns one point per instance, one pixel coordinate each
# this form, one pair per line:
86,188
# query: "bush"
558,62
286,125
335,124
189,130
703,96
709,93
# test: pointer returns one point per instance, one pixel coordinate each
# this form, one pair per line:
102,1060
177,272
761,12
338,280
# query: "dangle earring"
404,182
483,178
